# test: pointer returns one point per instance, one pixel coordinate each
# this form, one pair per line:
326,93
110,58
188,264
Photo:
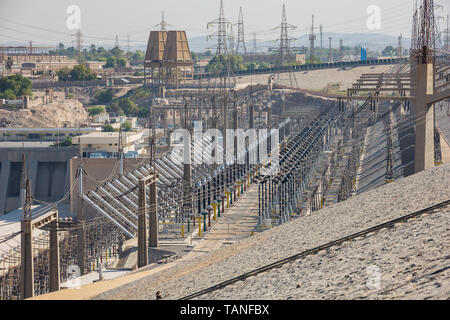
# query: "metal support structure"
142,226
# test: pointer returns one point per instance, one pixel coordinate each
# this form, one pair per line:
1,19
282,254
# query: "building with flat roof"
108,142
43,134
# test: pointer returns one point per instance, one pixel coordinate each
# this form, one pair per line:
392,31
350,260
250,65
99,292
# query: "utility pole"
27,263
241,39
142,226
128,48
312,38
400,50
79,43
120,151
231,40
254,43
447,35
321,43
341,50
81,235
187,171
330,53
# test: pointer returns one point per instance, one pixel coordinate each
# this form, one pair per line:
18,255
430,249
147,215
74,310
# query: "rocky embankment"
412,258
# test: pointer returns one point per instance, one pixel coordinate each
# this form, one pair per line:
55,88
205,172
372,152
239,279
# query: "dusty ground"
46,116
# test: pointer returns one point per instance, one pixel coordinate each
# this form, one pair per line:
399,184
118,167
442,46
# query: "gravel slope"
413,260
363,211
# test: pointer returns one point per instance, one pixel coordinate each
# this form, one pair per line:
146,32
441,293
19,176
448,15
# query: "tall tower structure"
321,43
447,35
221,23
79,45
231,42
284,38
285,54
341,50
330,53
116,42
312,38
241,38
400,49
422,67
254,43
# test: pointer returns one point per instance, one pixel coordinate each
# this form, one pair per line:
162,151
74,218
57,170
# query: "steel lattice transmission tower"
241,38
221,22
284,38
285,54
312,38
79,44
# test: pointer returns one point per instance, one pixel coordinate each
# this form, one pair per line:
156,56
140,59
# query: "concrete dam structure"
48,170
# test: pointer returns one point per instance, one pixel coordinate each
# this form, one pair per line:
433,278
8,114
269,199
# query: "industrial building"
168,59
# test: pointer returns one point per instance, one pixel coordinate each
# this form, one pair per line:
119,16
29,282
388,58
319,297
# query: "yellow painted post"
248,179
106,256
239,188
182,230
214,204
199,226
227,193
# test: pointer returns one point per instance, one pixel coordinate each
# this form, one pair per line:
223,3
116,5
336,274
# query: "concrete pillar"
27,266
154,223
424,116
54,257
142,227
4,178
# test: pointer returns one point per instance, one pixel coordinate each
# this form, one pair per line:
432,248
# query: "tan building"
108,142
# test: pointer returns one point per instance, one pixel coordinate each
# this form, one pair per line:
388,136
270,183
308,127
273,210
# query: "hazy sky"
101,20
